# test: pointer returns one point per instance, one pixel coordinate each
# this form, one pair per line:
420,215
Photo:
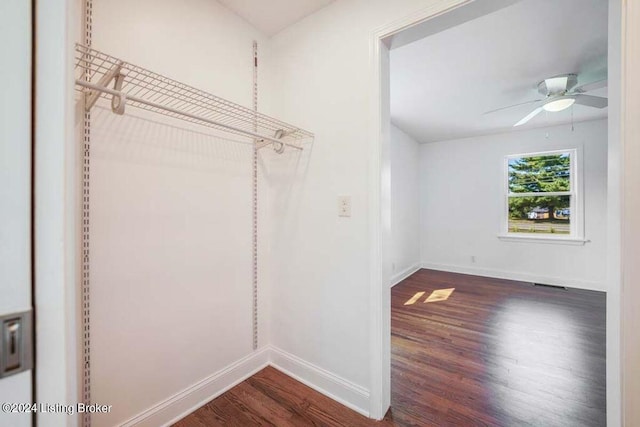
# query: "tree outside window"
540,197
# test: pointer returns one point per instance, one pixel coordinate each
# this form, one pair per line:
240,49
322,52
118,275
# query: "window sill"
528,238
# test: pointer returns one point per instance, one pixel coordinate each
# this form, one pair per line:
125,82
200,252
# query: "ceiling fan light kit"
559,104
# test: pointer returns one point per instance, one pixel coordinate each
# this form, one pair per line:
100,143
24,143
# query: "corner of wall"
399,277
186,401
339,389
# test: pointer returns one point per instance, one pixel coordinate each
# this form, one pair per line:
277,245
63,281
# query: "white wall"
462,200
405,204
322,264
171,233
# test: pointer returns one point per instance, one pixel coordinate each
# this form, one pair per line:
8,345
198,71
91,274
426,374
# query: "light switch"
344,206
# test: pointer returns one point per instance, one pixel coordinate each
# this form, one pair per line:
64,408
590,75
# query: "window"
541,198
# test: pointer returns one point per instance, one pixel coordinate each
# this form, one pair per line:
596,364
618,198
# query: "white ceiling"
272,16
441,85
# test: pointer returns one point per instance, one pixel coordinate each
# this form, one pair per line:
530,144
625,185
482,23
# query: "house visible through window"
541,194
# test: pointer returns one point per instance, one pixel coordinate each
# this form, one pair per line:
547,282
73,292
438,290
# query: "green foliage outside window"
535,176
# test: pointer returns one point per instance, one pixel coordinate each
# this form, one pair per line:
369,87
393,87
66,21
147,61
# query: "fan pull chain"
572,128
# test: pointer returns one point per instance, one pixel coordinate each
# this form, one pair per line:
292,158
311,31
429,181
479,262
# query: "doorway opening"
494,187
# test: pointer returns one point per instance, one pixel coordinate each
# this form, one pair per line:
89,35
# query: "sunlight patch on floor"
440,295
414,298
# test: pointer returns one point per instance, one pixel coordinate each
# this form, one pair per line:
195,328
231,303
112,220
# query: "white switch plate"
344,206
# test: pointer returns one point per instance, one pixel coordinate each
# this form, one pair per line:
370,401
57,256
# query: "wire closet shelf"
138,87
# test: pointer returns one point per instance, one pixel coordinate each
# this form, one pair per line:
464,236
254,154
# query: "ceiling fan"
560,92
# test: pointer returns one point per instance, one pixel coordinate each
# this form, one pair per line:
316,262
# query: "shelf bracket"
278,146
261,143
118,101
91,96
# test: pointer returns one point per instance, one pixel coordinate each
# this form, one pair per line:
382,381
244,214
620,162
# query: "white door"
15,210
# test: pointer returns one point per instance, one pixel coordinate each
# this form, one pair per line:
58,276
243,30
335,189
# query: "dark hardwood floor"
495,353
270,398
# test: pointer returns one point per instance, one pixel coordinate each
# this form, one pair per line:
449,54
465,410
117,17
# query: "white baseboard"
337,388
347,393
512,275
399,277
188,400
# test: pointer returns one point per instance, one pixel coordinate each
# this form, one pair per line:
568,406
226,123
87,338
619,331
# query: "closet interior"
170,303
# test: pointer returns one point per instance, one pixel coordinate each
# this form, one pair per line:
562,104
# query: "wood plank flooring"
270,398
497,353
494,353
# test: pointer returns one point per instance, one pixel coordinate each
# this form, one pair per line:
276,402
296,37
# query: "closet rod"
123,96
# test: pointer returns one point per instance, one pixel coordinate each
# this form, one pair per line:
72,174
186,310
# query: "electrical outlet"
344,206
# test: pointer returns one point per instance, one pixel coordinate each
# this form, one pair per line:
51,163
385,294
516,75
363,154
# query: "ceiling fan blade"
512,106
591,101
529,116
590,86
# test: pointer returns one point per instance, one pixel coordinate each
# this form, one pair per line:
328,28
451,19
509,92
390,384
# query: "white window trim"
576,234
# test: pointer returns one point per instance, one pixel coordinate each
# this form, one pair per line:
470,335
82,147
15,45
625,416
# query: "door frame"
56,171
55,213
623,183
